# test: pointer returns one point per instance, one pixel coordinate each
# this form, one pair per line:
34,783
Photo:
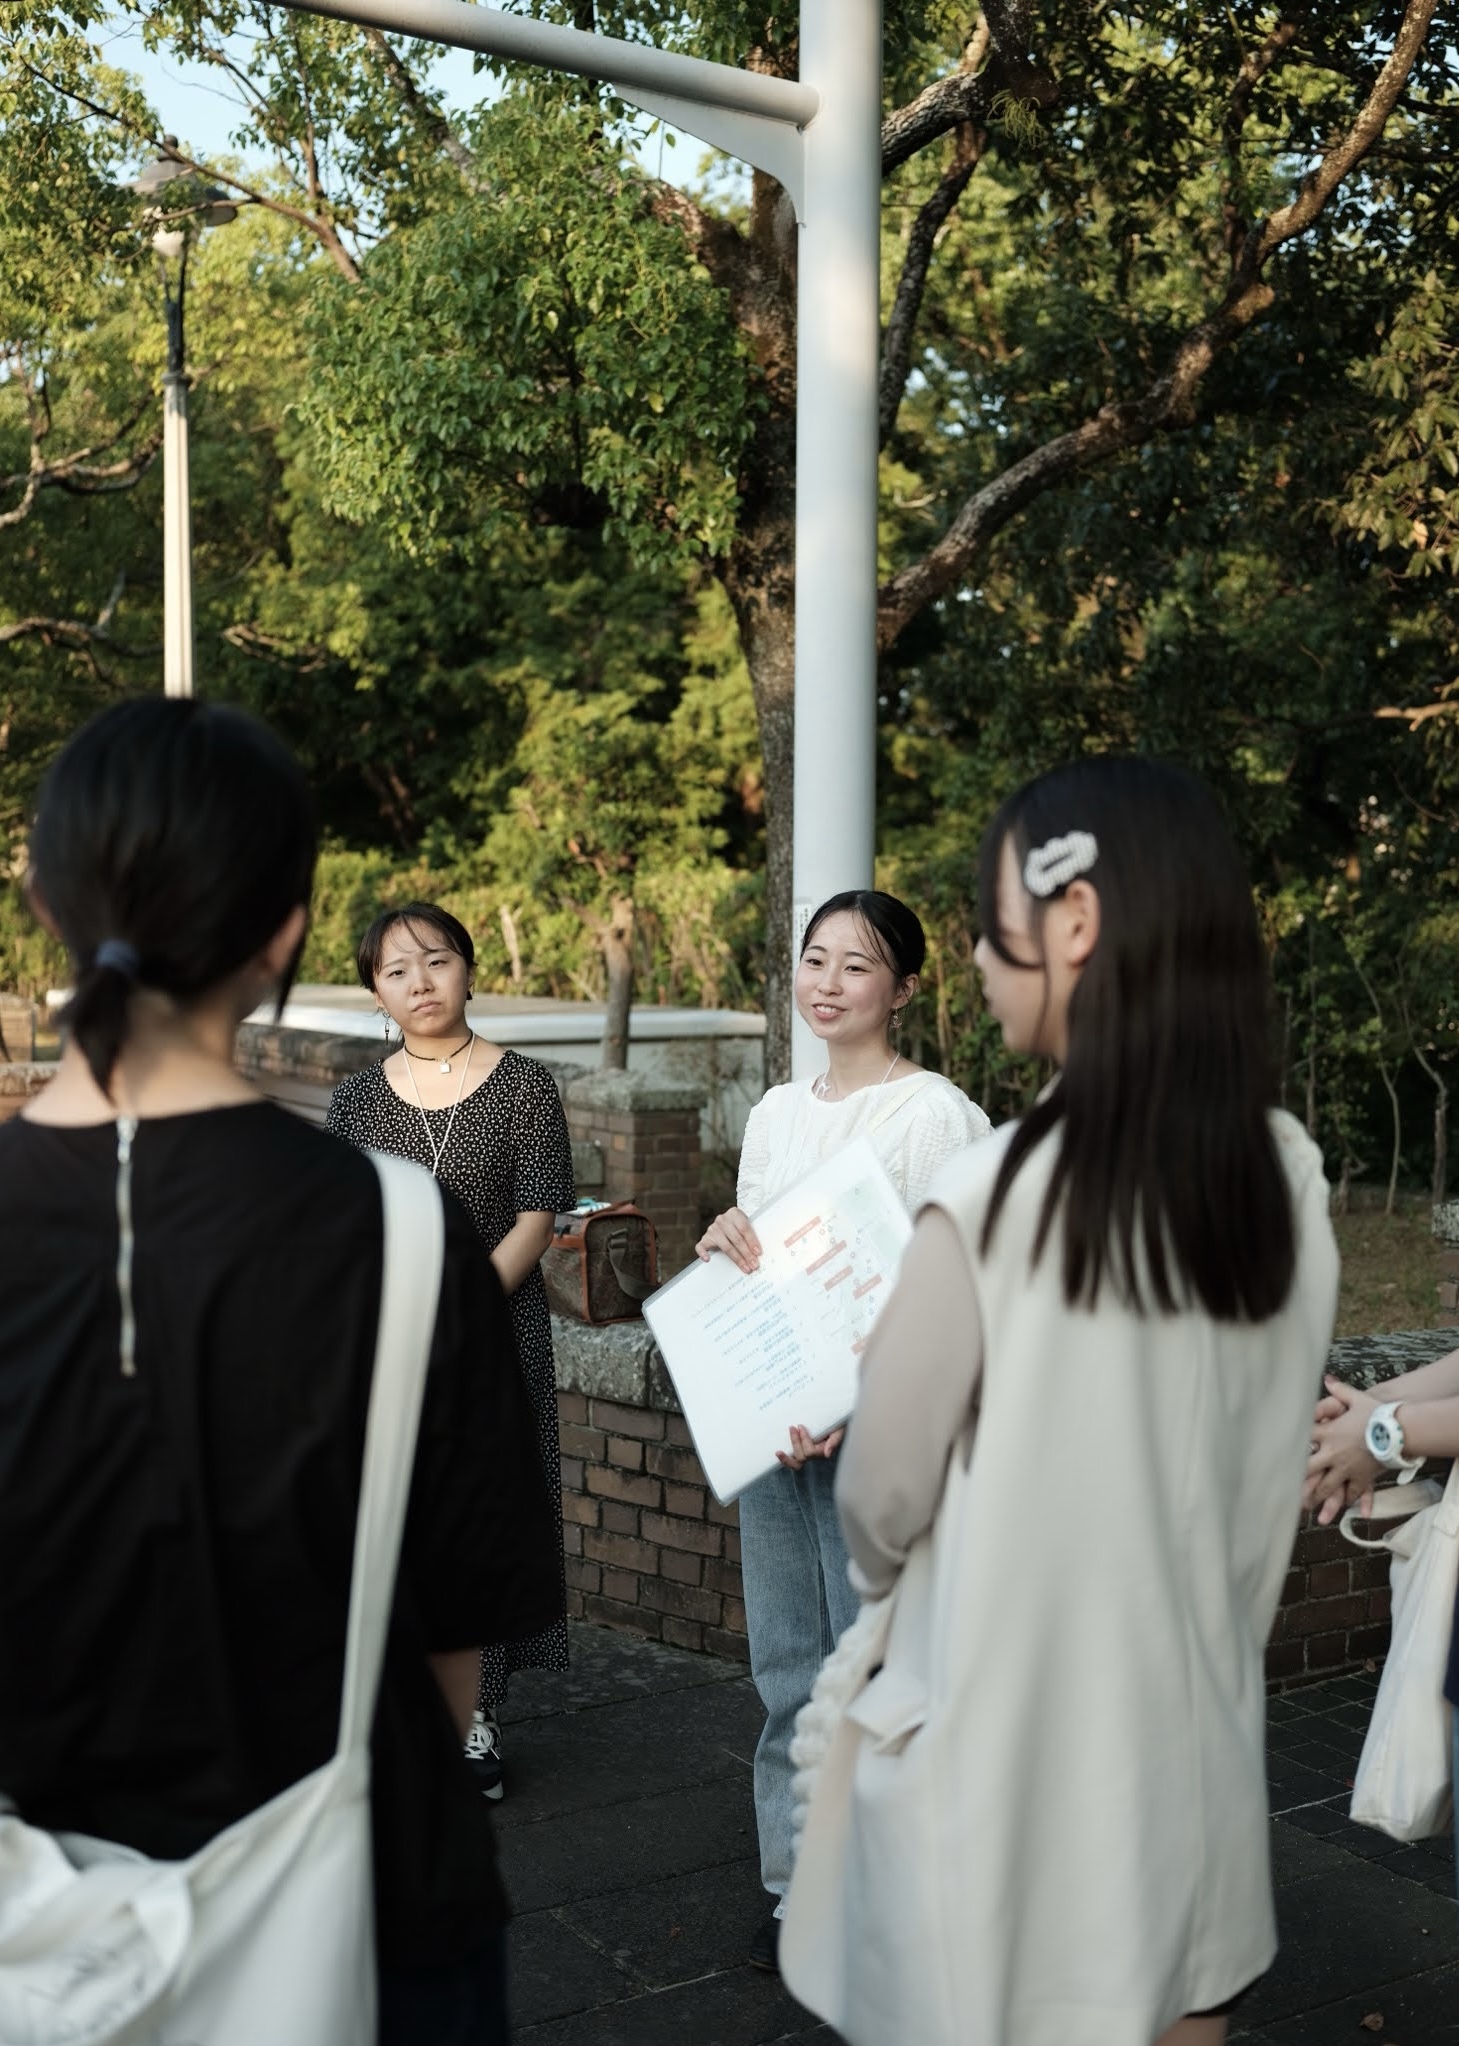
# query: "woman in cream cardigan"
1076,1464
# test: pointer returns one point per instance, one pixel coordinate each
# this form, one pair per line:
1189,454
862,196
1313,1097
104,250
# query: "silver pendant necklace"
821,1087
438,1151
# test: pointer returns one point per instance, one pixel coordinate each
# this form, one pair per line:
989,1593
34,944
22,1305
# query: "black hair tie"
121,957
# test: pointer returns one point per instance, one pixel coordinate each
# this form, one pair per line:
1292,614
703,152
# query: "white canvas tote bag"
1404,1783
861,1862
265,1937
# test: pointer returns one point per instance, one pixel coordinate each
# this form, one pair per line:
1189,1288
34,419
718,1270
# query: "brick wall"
647,1548
1334,1610
649,1551
648,1133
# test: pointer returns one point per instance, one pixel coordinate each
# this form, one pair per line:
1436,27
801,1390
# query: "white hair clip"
1062,860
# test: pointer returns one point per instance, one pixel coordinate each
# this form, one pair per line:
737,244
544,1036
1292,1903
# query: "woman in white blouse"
859,963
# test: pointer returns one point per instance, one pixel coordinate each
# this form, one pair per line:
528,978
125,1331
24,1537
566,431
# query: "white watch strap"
1406,1466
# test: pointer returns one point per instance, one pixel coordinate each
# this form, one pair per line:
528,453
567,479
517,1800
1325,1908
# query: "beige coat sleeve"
919,1378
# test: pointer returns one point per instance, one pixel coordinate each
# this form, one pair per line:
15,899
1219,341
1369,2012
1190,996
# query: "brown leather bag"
601,1265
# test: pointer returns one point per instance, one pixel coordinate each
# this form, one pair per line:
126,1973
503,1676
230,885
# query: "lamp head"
161,170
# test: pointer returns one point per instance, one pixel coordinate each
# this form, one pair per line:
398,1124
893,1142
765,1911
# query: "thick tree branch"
971,94
424,112
896,354
1170,401
320,225
1254,67
753,272
75,637
78,472
267,646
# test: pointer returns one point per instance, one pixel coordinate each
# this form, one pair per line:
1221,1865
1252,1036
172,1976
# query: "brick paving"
628,1844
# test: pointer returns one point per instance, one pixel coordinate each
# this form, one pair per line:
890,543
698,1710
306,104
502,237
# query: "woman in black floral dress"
489,1124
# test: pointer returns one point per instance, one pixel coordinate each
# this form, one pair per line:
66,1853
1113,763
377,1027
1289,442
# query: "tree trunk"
1312,1038
1286,1071
1386,1074
759,577
1441,1139
509,939
618,953
1441,1121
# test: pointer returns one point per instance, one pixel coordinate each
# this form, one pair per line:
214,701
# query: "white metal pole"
635,66
836,467
177,582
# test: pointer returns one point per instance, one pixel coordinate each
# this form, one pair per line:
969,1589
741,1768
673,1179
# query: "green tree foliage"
1405,495
492,494
578,369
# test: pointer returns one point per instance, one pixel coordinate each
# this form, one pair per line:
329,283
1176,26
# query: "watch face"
1380,1437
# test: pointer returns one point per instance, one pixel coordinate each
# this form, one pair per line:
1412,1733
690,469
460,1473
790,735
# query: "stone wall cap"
633,1093
1366,1361
278,1048
608,1361
26,1076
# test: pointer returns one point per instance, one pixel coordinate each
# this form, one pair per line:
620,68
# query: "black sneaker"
765,1946
484,1753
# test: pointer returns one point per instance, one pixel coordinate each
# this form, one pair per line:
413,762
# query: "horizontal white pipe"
587,56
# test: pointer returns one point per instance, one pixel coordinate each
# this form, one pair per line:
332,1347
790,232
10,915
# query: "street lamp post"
200,207
820,136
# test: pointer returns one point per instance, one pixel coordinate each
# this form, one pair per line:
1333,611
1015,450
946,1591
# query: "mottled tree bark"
760,580
618,957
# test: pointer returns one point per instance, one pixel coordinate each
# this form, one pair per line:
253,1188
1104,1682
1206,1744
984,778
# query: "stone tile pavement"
628,1844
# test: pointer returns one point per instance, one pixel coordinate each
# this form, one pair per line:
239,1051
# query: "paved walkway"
628,1842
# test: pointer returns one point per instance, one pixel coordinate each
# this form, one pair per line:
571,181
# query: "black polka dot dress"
508,1155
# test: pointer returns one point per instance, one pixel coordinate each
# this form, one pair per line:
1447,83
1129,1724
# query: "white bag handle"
1391,1502
410,1285
899,1102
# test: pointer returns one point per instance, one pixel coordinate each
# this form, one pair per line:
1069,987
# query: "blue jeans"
464,2004
798,1604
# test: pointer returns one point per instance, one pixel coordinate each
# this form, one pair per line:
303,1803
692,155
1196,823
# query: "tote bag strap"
895,1106
410,1285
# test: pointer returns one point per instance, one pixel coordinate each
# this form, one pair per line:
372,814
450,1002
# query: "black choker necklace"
434,1057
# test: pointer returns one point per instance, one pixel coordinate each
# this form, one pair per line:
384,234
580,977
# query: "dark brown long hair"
1166,1181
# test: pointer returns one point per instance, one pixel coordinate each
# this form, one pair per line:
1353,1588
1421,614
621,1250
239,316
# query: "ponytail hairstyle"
172,838
1167,1180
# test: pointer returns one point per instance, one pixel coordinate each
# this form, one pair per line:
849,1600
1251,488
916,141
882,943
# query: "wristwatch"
1384,1439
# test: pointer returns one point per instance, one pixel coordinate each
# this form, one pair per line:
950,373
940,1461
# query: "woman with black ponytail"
189,1292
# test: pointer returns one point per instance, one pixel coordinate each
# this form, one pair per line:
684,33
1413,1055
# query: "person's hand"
731,1232
804,1447
1340,1469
